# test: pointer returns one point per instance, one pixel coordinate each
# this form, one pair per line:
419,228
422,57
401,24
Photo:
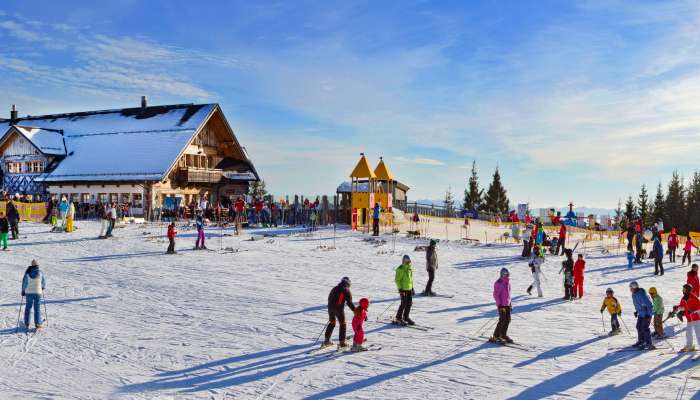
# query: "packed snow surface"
127,321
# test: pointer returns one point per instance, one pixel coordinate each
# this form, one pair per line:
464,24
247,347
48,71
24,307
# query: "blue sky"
575,100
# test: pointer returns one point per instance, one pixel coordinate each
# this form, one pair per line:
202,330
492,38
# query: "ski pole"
19,313
482,328
387,307
46,314
602,319
319,335
625,324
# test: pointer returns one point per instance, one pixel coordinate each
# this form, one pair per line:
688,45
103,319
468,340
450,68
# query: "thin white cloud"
19,31
419,161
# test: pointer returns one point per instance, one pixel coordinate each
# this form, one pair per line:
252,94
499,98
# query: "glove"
413,292
619,313
636,315
601,311
23,293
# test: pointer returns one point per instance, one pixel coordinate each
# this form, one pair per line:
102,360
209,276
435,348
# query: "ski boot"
433,294
399,321
649,347
409,321
687,349
496,340
342,345
507,339
327,343
357,348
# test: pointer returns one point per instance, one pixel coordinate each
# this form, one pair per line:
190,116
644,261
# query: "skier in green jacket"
404,283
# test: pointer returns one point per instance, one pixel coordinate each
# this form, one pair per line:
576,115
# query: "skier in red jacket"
690,305
693,280
579,266
561,241
171,238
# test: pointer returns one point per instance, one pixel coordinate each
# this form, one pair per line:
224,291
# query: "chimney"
13,115
144,104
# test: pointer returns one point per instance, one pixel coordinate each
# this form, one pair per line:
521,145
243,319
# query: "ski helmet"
687,287
504,272
652,290
634,285
345,281
406,259
609,290
364,303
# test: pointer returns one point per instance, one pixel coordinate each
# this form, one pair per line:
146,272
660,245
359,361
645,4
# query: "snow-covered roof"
47,141
125,144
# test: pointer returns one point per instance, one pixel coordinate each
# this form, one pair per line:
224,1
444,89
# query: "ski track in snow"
128,321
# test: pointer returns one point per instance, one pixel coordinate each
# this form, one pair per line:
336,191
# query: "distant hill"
536,211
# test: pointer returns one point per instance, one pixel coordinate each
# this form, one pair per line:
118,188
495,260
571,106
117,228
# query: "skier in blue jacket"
658,257
33,286
644,310
376,214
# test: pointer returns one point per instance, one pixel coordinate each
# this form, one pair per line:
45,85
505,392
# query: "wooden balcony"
191,175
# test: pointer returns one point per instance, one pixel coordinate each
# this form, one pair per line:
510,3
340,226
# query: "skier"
376,213
693,281
200,232
501,294
527,241
614,309
431,265
102,212
13,218
630,259
337,299
33,286
171,238
562,238
658,257
541,236
672,245
567,266
239,205
687,249
579,267
630,235
54,217
112,216
4,230
357,321
639,243
404,283
63,209
658,306
690,306
70,216
643,312
536,269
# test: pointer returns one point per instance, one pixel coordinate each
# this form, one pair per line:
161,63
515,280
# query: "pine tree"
496,199
693,203
449,202
643,206
659,208
257,189
675,205
618,214
473,195
630,210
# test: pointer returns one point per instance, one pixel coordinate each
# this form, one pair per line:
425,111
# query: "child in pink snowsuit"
357,321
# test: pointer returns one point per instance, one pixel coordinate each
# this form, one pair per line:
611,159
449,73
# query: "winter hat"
688,287
504,272
609,290
345,280
634,285
364,303
34,263
406,259
652,291
433,242
694,266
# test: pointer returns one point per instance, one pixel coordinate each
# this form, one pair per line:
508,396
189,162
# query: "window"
35,166
102,197
85,198
126,197
14,167
138,200
113,197
74,197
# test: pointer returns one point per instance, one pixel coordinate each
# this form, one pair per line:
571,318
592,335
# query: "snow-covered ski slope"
127,321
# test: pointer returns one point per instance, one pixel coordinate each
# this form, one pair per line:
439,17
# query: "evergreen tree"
618,214
693,203
630,210
473,195
643,206
496,199
257,189
659,207
675,205
449,202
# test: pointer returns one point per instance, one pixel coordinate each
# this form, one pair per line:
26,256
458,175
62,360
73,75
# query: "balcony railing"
198,175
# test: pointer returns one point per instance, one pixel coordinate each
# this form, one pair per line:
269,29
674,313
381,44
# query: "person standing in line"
536,269
33,286
171,238
690,306
199,244
376,214
501,294
70,216
687,250
431,265
644,310
579,267
339,296
658,305
693,281
404,284
561,243
658,257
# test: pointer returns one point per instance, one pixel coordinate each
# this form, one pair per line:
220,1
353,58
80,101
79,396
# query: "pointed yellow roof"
382,171
362,169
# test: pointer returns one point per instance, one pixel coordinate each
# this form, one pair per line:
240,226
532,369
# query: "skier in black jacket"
337,299
13,218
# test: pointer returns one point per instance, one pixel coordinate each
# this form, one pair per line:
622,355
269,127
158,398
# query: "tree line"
495,200
678,208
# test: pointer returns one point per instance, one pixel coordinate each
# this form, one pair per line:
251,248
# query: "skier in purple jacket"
501,294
